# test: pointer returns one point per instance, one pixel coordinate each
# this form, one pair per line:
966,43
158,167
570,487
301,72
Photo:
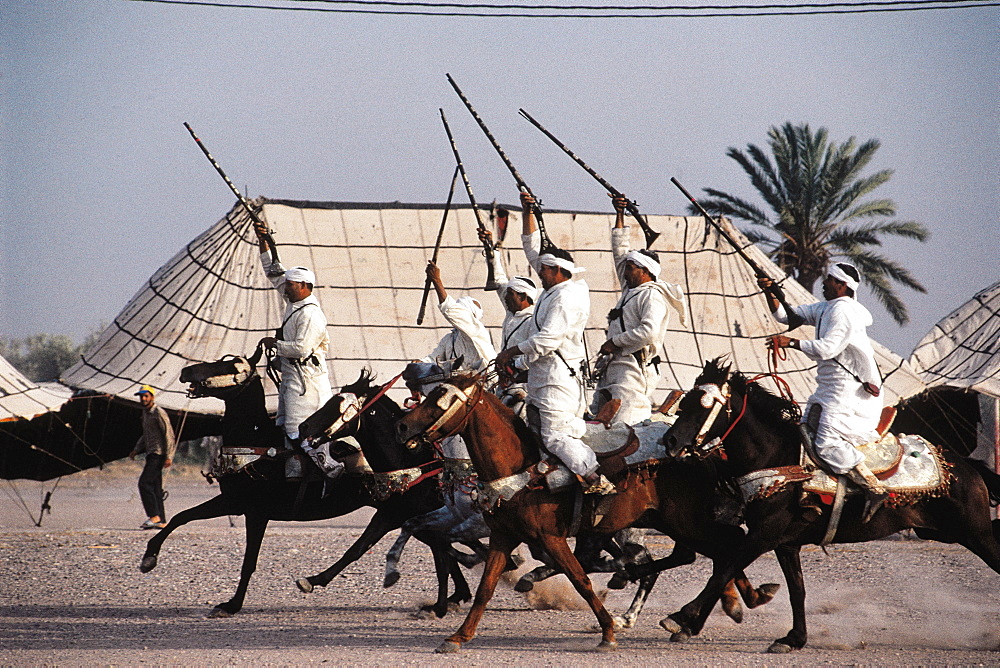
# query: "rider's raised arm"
620,242
499,274
531,238
274,271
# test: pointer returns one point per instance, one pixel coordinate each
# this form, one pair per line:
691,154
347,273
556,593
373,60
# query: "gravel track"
71,594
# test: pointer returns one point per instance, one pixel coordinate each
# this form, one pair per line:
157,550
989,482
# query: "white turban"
471,305
300,275
843,276
644,261
550,260
523,285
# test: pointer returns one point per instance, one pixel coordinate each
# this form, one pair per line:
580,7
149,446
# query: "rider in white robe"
469,338
518,296
302,347
636,329
554,352
845,363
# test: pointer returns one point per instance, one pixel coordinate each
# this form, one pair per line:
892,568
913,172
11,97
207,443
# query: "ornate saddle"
910,467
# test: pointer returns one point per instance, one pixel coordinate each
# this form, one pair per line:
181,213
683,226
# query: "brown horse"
760,432
504,451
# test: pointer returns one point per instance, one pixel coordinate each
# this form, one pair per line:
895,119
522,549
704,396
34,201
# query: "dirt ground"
71,594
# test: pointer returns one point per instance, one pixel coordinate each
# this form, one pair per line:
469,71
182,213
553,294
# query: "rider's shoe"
875,491
600,486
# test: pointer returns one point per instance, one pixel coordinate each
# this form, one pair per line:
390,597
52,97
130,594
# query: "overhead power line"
510,10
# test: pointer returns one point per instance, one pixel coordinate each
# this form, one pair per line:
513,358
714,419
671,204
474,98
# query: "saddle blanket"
908,466
602,440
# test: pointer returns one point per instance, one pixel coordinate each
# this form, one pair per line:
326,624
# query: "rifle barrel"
491,283
437,246
268,239
794,320
546,243
647,231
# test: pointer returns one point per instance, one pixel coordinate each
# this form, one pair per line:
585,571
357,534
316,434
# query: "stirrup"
873,501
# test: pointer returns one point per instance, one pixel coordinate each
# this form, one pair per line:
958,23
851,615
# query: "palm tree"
814,194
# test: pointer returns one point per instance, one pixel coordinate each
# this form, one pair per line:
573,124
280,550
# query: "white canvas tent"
212,299
963,349
21,399
962,352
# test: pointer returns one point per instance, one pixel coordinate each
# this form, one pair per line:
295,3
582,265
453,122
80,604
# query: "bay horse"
504,451
759,431
260,492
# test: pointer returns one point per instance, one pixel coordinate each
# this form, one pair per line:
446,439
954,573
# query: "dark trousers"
151,486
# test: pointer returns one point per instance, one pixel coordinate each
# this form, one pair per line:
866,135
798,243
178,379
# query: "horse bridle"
714,397
244,373
352,408
451,402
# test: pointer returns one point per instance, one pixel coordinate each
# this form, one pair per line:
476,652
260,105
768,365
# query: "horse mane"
776,409
364,385
772,408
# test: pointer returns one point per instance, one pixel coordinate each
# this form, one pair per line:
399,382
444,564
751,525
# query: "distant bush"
43,357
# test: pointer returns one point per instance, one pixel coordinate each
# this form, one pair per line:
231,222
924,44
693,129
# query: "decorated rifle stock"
647,231
491,281
794,320
268,239
546,243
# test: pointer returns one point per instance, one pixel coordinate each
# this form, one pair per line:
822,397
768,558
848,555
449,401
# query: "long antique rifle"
647,231
437,247
794,319
491,281
546,243
268,239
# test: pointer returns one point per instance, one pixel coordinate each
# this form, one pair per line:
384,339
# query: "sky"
101,184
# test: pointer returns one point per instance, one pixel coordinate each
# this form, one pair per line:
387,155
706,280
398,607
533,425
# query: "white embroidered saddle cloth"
907,464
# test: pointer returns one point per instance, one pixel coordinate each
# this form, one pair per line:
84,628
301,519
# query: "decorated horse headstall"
352,407
453,401
714,397
242,374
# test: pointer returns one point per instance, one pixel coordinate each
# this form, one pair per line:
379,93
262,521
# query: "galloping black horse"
260,492
766,437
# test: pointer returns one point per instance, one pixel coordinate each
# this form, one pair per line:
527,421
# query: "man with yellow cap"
301,344
159,444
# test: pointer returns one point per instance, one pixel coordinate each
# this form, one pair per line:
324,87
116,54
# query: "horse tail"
989,477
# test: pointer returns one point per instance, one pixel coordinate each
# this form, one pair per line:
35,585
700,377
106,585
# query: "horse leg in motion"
451,526
558,549
501,547
385,520
217,506
256,525
587,552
